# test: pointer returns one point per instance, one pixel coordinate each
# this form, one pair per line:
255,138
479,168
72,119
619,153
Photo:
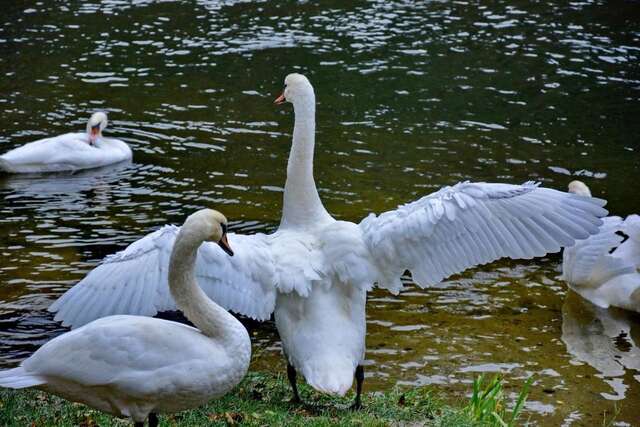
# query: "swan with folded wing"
604,268
136,366
68,152
314,272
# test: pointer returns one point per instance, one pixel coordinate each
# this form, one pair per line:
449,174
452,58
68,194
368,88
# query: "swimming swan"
314,272
604,268
135,366
68,152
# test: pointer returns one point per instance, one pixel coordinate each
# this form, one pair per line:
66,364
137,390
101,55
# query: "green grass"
261,400
487,404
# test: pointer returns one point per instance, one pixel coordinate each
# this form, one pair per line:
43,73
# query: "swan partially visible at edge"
314,272
604,268
137,367
68,152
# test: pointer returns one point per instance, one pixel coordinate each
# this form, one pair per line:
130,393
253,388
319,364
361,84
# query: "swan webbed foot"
153,420
291,375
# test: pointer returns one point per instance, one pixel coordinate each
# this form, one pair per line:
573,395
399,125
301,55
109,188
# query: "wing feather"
589,263
135,280
475,223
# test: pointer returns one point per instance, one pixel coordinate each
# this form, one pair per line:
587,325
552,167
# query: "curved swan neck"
302,204
206,315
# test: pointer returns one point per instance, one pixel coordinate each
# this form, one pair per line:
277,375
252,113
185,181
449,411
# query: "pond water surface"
411,97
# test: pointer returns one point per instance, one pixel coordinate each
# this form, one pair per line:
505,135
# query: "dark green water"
412,96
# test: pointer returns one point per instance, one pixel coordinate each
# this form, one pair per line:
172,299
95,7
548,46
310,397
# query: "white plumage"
68,152
133,366
604,267
314,271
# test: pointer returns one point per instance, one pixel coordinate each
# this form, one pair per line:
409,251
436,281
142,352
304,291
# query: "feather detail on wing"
629,250
135,280
475,223
589,263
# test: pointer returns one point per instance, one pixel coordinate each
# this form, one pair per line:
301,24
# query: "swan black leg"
291,374
153,420
137,424
359,375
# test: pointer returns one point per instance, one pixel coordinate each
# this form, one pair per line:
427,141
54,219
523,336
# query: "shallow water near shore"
411,97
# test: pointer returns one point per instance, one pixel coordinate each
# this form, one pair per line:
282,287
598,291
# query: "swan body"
314,272
131,366
68,152
604,268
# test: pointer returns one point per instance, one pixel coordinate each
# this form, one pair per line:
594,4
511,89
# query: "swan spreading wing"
475,223
434,237
135,280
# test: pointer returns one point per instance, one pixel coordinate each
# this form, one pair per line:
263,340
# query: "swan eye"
224,228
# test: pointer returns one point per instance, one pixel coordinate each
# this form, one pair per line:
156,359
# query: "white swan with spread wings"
314,272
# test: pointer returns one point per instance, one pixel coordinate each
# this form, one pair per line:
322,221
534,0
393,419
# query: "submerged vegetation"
263,399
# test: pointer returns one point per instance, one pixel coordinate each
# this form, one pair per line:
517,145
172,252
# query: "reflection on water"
606,339
412,96
65,185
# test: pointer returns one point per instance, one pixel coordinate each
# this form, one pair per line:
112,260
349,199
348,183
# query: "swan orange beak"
280,100
95,131
224,244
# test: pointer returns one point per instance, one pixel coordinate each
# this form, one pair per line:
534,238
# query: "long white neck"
214,321
302,204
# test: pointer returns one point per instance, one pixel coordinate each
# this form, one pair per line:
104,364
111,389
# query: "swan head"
209,225
296,88
579,188
97,122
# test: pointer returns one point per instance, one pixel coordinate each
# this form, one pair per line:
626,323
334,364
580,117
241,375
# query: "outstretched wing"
135,280
475,223
589,264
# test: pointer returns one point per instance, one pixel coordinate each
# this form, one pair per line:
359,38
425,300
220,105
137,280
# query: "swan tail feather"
5,166
330,379
19,378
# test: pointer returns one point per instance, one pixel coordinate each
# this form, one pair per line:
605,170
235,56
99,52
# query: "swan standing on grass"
134,366
68,152
314,272
604,268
